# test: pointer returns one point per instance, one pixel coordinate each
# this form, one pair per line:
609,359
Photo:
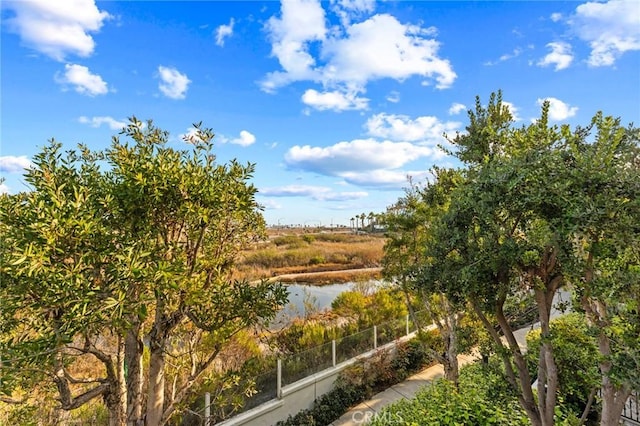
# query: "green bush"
576,355
308,238
361,381
287,240
473,403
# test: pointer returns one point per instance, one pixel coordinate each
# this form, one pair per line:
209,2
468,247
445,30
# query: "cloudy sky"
336,102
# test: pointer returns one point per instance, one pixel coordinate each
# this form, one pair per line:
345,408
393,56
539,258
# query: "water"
317,298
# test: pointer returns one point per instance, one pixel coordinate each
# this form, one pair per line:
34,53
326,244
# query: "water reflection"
305,299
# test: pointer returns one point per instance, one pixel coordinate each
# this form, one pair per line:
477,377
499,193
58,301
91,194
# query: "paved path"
363,412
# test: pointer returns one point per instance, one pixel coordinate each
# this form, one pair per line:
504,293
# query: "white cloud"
347,57
99,121
189,135
245,139
4,189
425,129
343,196
560,56
223,32
611,29
555,17
393,97
381,179
13,164
301,22
382,47
514,110
173,84
82,80
350,9
270,204
56,28
358,155
558,110
320,193
456,108
514,54
336,101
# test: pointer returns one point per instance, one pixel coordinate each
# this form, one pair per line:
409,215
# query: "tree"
410,261
499,231
532,216
370,219
128,261
603,213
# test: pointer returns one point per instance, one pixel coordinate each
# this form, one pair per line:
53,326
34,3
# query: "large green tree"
410,261
603,215
524,219
126,263
499,245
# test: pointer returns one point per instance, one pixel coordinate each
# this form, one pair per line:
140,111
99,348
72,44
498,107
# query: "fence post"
207,409
333,352
279,379
407,324
375,337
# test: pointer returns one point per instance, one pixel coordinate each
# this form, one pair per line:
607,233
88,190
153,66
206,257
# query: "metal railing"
631,410
300,365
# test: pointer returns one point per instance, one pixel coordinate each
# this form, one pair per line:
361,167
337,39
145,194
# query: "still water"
316,298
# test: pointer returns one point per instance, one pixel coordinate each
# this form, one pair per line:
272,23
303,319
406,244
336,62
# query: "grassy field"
304,251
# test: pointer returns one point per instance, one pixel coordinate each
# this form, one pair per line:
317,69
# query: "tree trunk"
155,394
162,326
613,401
525,394
133,359
116,397
156,381
547,368
451,345
451,368
613,397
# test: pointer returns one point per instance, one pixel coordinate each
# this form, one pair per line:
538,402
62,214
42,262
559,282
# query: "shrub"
287,240
308,238
360,382
576,356
442,404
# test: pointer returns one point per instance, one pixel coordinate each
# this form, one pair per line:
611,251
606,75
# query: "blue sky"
336,102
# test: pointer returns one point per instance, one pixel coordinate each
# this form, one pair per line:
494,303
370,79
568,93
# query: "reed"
311,253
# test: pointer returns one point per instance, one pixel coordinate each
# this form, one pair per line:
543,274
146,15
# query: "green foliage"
143,248
384,308
576,355
293,241
360,382
480,400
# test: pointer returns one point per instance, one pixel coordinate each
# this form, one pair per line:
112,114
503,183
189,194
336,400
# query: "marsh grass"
312,253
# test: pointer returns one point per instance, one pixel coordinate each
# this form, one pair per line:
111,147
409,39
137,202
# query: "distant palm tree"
362,218
370,218
352,227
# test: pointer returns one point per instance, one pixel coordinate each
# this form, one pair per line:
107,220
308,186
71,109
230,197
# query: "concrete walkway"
364,412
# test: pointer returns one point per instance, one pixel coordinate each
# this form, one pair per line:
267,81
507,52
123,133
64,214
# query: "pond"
315,297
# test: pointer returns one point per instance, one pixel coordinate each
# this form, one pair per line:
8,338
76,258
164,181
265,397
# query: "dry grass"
311,253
